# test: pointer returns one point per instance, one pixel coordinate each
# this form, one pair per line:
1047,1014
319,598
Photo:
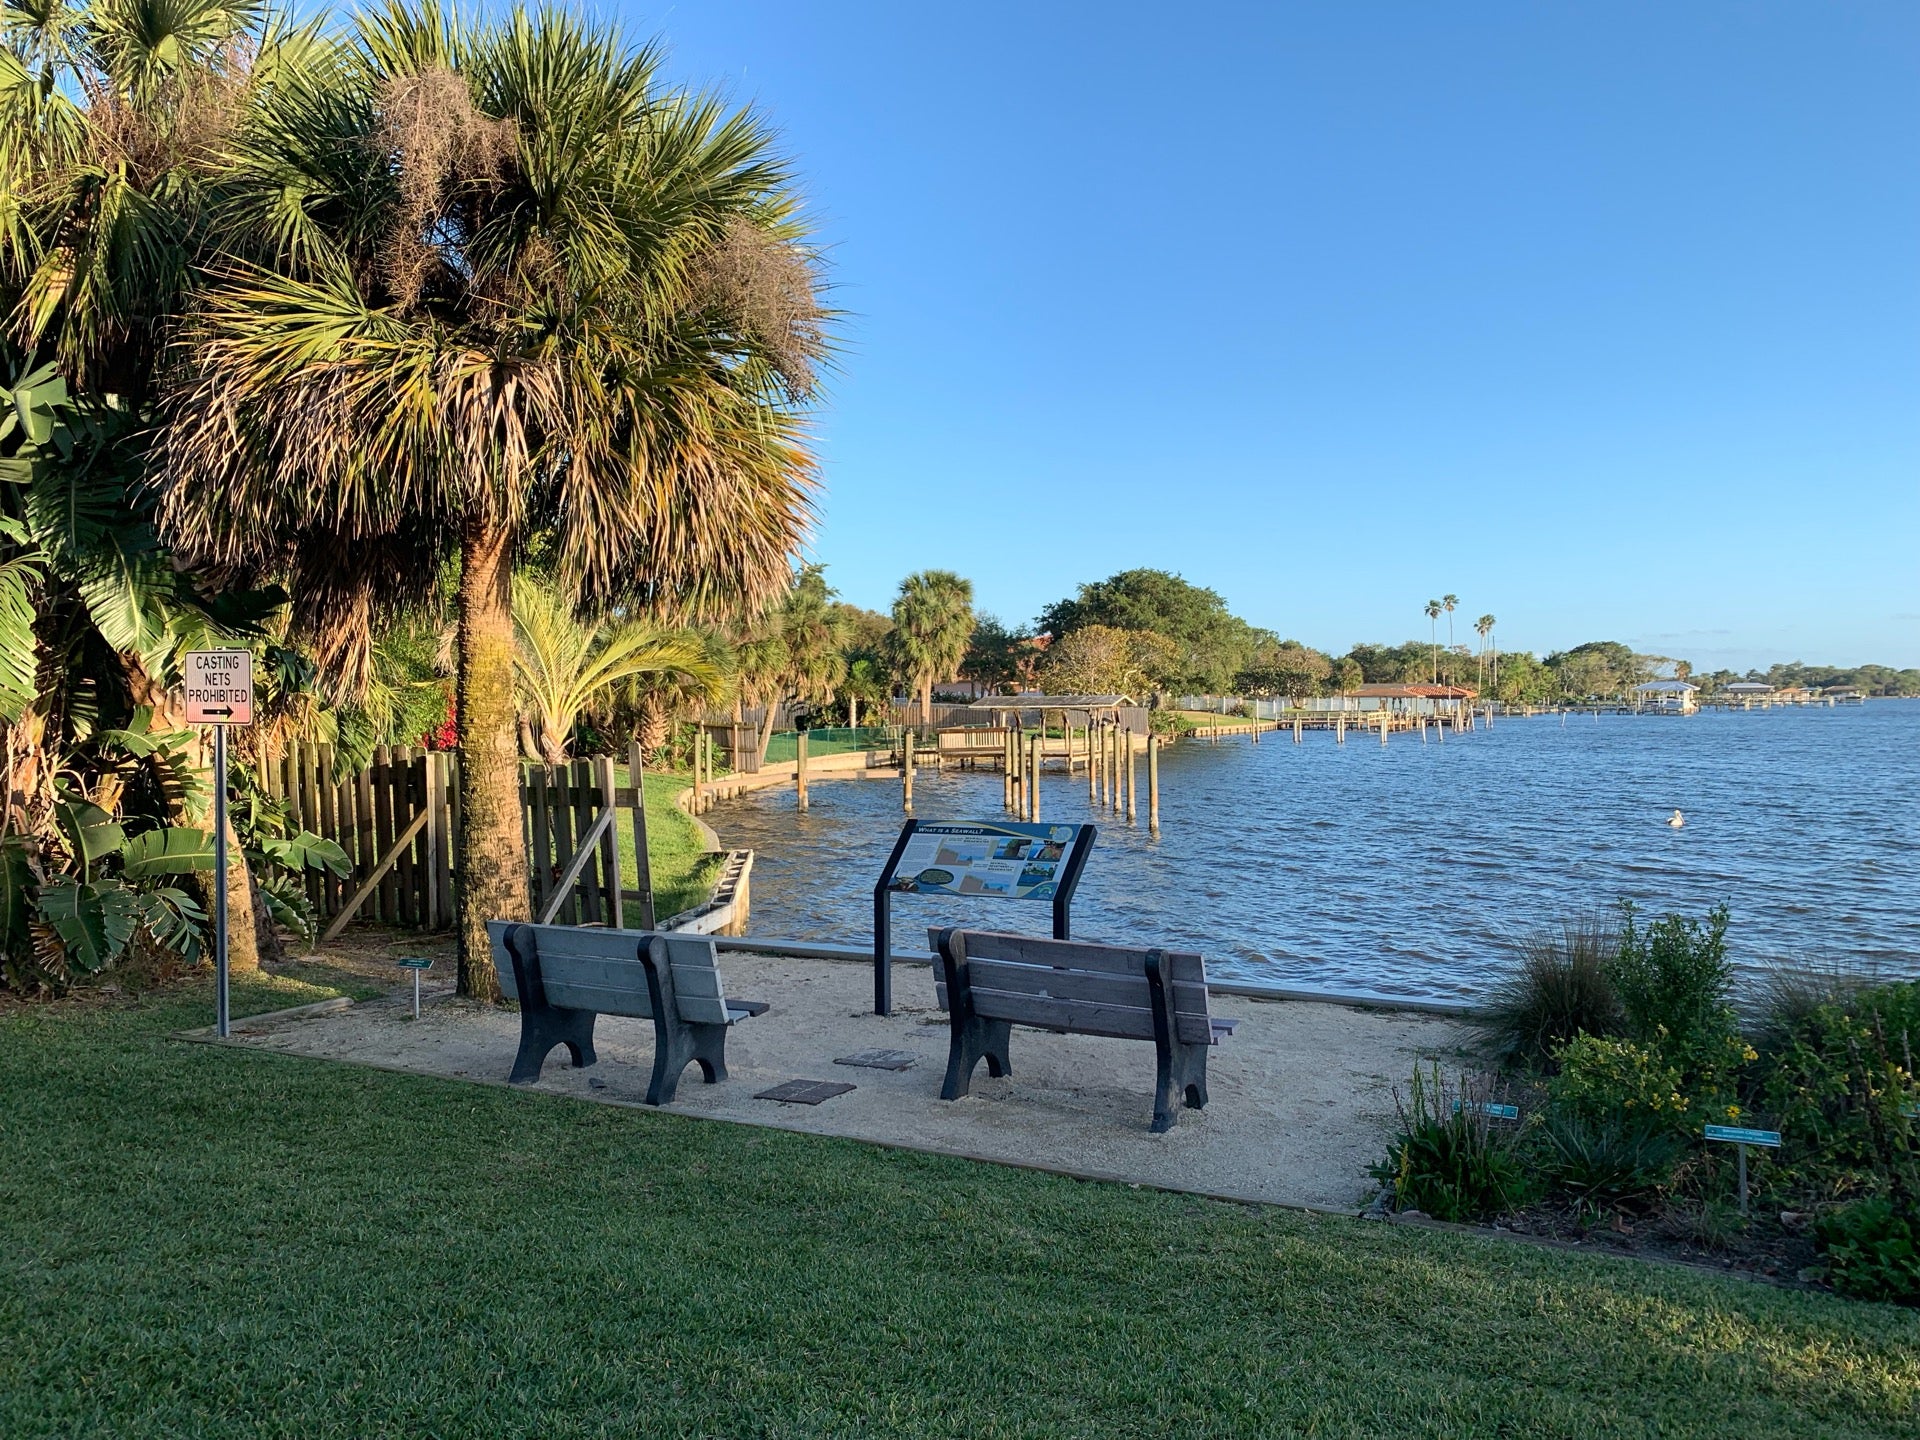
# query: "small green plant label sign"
1494,1109
1739,1136
414,962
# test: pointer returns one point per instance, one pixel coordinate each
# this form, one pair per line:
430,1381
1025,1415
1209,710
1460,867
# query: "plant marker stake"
416,963
1741,1138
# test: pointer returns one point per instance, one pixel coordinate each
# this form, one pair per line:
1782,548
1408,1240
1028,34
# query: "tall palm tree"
1433,627
1448,604
1483,627
932,625
566,666
486,280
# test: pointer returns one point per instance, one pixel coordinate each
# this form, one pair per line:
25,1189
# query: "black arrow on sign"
211,711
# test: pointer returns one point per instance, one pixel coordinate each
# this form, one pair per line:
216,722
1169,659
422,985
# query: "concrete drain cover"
880,1059
804,1092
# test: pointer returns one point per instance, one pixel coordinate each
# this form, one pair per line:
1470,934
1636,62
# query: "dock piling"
800,769
1153,782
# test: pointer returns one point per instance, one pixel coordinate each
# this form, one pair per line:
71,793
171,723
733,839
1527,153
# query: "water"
1401,871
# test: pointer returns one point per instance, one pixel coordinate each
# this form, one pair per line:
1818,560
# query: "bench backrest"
1072,986
586,968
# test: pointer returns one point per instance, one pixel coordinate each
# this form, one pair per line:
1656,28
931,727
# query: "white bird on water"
1676,820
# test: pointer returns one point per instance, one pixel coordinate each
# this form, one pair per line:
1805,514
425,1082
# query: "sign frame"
1065,883
224,708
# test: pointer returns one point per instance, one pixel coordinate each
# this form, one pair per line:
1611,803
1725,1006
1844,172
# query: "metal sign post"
990,858
419,965
219,692
1742,1137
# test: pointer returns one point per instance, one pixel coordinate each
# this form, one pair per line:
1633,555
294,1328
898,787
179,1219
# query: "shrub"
1674,980
1843,1090
1873,1250
1790,993
1559,989
1452,1160
1609,1162
1604,1080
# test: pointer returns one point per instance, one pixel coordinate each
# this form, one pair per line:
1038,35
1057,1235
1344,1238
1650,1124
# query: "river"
1406,870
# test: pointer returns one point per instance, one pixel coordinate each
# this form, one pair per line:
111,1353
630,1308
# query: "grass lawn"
197,1241
683,869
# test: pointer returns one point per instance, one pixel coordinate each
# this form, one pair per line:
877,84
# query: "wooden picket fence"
398,821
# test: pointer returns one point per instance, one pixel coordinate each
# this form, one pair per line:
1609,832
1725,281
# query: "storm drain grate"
880,1059
804,1092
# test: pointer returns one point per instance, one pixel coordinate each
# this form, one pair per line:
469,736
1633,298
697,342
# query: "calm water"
1401,871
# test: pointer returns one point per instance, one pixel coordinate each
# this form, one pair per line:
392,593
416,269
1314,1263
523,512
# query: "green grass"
211,1242
683,868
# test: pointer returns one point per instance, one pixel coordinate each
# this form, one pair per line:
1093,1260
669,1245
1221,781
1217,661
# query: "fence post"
642,861
610,843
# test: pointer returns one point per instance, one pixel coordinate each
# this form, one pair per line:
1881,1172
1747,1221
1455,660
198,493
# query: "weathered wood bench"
989,982
565,975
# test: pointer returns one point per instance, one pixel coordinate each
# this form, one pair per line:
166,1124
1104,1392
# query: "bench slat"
1075,955
1102,989
1084,1017
614,999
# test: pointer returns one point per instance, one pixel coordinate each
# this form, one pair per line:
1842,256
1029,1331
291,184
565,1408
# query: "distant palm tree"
492,280
932,626
1433,625
1483,627
1447,603
565,667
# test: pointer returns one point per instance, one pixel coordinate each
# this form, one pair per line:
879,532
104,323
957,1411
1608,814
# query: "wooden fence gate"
398,821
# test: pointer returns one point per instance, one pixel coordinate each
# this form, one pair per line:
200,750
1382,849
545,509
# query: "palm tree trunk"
492,856
926,701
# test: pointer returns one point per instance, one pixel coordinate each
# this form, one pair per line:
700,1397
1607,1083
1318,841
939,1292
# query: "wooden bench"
989,982
565,975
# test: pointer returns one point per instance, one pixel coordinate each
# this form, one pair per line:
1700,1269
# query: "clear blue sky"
1604,316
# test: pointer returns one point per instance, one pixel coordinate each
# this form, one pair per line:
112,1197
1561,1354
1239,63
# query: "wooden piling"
1130,779
906,774
1383,729
1153,782
1296,729
1033,794
1340,728
800,769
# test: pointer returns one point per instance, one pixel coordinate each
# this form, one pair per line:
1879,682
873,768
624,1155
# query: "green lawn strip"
683,868
207,1241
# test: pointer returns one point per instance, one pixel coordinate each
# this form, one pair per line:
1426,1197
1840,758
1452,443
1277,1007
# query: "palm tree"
1483,627
114,117
566,666
1433,626
485,281
932,625
1447,603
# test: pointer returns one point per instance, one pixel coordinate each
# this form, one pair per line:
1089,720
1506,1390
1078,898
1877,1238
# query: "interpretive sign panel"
1740,1136
1003,861
219,687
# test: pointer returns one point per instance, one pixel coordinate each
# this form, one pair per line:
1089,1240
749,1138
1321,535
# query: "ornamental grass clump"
1558,989
1452,1160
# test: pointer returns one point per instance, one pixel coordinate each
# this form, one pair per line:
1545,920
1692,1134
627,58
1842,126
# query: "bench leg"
677,1046
1182,1075
544,1026
975,1040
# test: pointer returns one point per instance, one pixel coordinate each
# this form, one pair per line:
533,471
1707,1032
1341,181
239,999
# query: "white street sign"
219,687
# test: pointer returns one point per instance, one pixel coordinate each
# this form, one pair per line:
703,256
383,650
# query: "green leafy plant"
1558,989
1844,1087
1673,976
1452,1160
1873,1250
1604,1080
1610,1162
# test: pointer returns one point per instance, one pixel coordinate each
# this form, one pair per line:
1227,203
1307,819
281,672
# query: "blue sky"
1605,317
